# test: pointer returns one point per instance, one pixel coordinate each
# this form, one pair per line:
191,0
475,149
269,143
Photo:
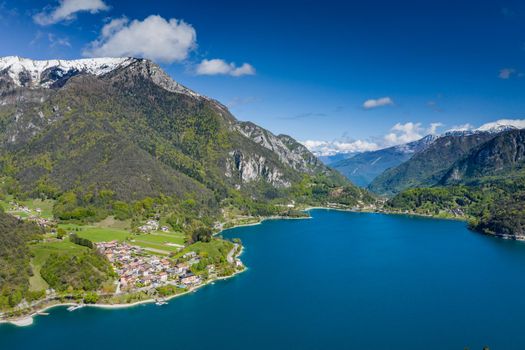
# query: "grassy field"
211,249
97,234
167,242
163,243
111,222
161,238
41,252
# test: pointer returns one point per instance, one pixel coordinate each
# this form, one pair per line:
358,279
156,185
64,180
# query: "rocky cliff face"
287,149
253,168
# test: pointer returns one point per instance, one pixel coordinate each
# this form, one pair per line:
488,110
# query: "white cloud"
67,9
220,67
327,148
408,132
399,134
506,73
517,123
403,133
154,38
433,128
373,103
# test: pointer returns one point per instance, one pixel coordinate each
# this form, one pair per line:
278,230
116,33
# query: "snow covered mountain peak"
43,73
17,71
502,125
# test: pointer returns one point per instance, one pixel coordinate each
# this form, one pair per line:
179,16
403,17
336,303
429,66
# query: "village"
137,269
145,259
20,211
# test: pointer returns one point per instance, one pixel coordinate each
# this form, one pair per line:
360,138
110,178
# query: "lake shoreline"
518,238
28,320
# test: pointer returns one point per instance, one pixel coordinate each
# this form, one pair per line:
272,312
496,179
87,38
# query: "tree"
61,233
91,298
201,234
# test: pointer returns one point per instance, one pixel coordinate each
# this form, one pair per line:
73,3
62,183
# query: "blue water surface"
337,281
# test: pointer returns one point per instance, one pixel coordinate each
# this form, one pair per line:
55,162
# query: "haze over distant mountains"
363,168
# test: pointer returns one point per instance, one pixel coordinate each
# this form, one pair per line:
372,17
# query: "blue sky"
306,68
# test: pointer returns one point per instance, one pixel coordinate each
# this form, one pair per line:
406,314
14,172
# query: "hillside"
487,186
501,155
116,140
364,167
427,167
106,131
14,258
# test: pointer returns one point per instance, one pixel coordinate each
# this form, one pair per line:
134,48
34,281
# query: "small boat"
41,313
75,307
161,302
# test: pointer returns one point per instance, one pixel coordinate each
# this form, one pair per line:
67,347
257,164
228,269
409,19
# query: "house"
190,279
153,224
163,276
180,268
194,261
123,281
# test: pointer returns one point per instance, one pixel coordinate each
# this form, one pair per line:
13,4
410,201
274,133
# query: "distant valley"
363,168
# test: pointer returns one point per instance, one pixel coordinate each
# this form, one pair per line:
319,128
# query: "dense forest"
85,272
485,183
15,256
493,206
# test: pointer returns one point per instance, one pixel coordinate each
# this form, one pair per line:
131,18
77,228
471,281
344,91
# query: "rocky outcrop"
287,149
249,169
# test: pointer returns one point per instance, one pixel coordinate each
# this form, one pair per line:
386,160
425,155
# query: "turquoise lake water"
340,281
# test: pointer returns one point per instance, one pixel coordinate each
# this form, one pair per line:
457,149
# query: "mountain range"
481,178
363,168
117,140
426,168
123,126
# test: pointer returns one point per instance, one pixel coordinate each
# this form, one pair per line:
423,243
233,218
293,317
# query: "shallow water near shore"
341,280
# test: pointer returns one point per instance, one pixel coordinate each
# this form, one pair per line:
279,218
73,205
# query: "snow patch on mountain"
416,146
503,125
27,72
495,127
24,72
